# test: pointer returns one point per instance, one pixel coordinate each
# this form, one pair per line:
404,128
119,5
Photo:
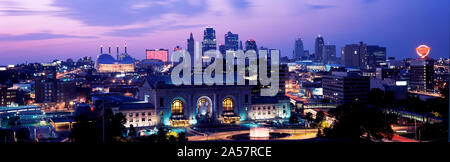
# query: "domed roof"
105,59
127,60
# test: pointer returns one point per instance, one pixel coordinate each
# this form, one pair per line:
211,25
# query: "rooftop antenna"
109,49
101,49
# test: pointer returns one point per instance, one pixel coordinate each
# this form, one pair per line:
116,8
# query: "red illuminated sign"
423,51
161,54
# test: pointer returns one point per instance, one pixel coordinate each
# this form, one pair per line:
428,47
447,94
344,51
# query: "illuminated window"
177,107
228,104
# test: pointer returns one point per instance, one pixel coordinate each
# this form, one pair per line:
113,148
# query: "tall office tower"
283,71
329,54
344,87
190,48
209,39
307,55
354,55
364,63
222,49
422,75
318,50
240,45
299,51
251,45
231,41
377,55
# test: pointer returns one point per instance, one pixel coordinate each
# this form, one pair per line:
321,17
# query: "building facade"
187,105
231,41
54,90
343,87
329,54
299,51
209,39
269,108
422,75
157,54
318,48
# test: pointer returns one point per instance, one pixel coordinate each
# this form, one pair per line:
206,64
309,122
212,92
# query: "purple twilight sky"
43,30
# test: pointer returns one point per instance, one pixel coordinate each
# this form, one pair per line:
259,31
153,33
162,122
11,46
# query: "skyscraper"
240,45
354,55
329,54
251,45
190,48
345,87
299,51
376,55
318,50
231,41
422,75
222,49
209,39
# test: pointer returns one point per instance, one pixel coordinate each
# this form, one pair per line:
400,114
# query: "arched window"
228,104
177,107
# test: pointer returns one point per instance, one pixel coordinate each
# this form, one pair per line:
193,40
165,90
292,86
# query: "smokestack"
125,47
117,52
101,49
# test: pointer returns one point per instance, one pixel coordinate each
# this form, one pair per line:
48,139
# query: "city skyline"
72,31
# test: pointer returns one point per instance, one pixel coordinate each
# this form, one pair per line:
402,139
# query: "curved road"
296,134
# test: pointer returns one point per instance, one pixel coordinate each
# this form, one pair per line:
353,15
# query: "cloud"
240,4
14,12
38,36
319,7
132,32
120,13
135,32
369,1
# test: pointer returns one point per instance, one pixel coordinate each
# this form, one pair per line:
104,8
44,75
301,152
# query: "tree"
116,126
320,116
182,137
14,121
389,98
356,122
308,117
161,135
172,139
435,131
84,130
293,119
23,135
376,96
132,131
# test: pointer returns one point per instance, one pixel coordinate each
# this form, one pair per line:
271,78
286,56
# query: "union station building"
186,105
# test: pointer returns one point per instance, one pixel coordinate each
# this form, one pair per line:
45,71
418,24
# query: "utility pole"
415,129
103,117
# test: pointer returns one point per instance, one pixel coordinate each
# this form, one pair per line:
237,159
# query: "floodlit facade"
185,105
